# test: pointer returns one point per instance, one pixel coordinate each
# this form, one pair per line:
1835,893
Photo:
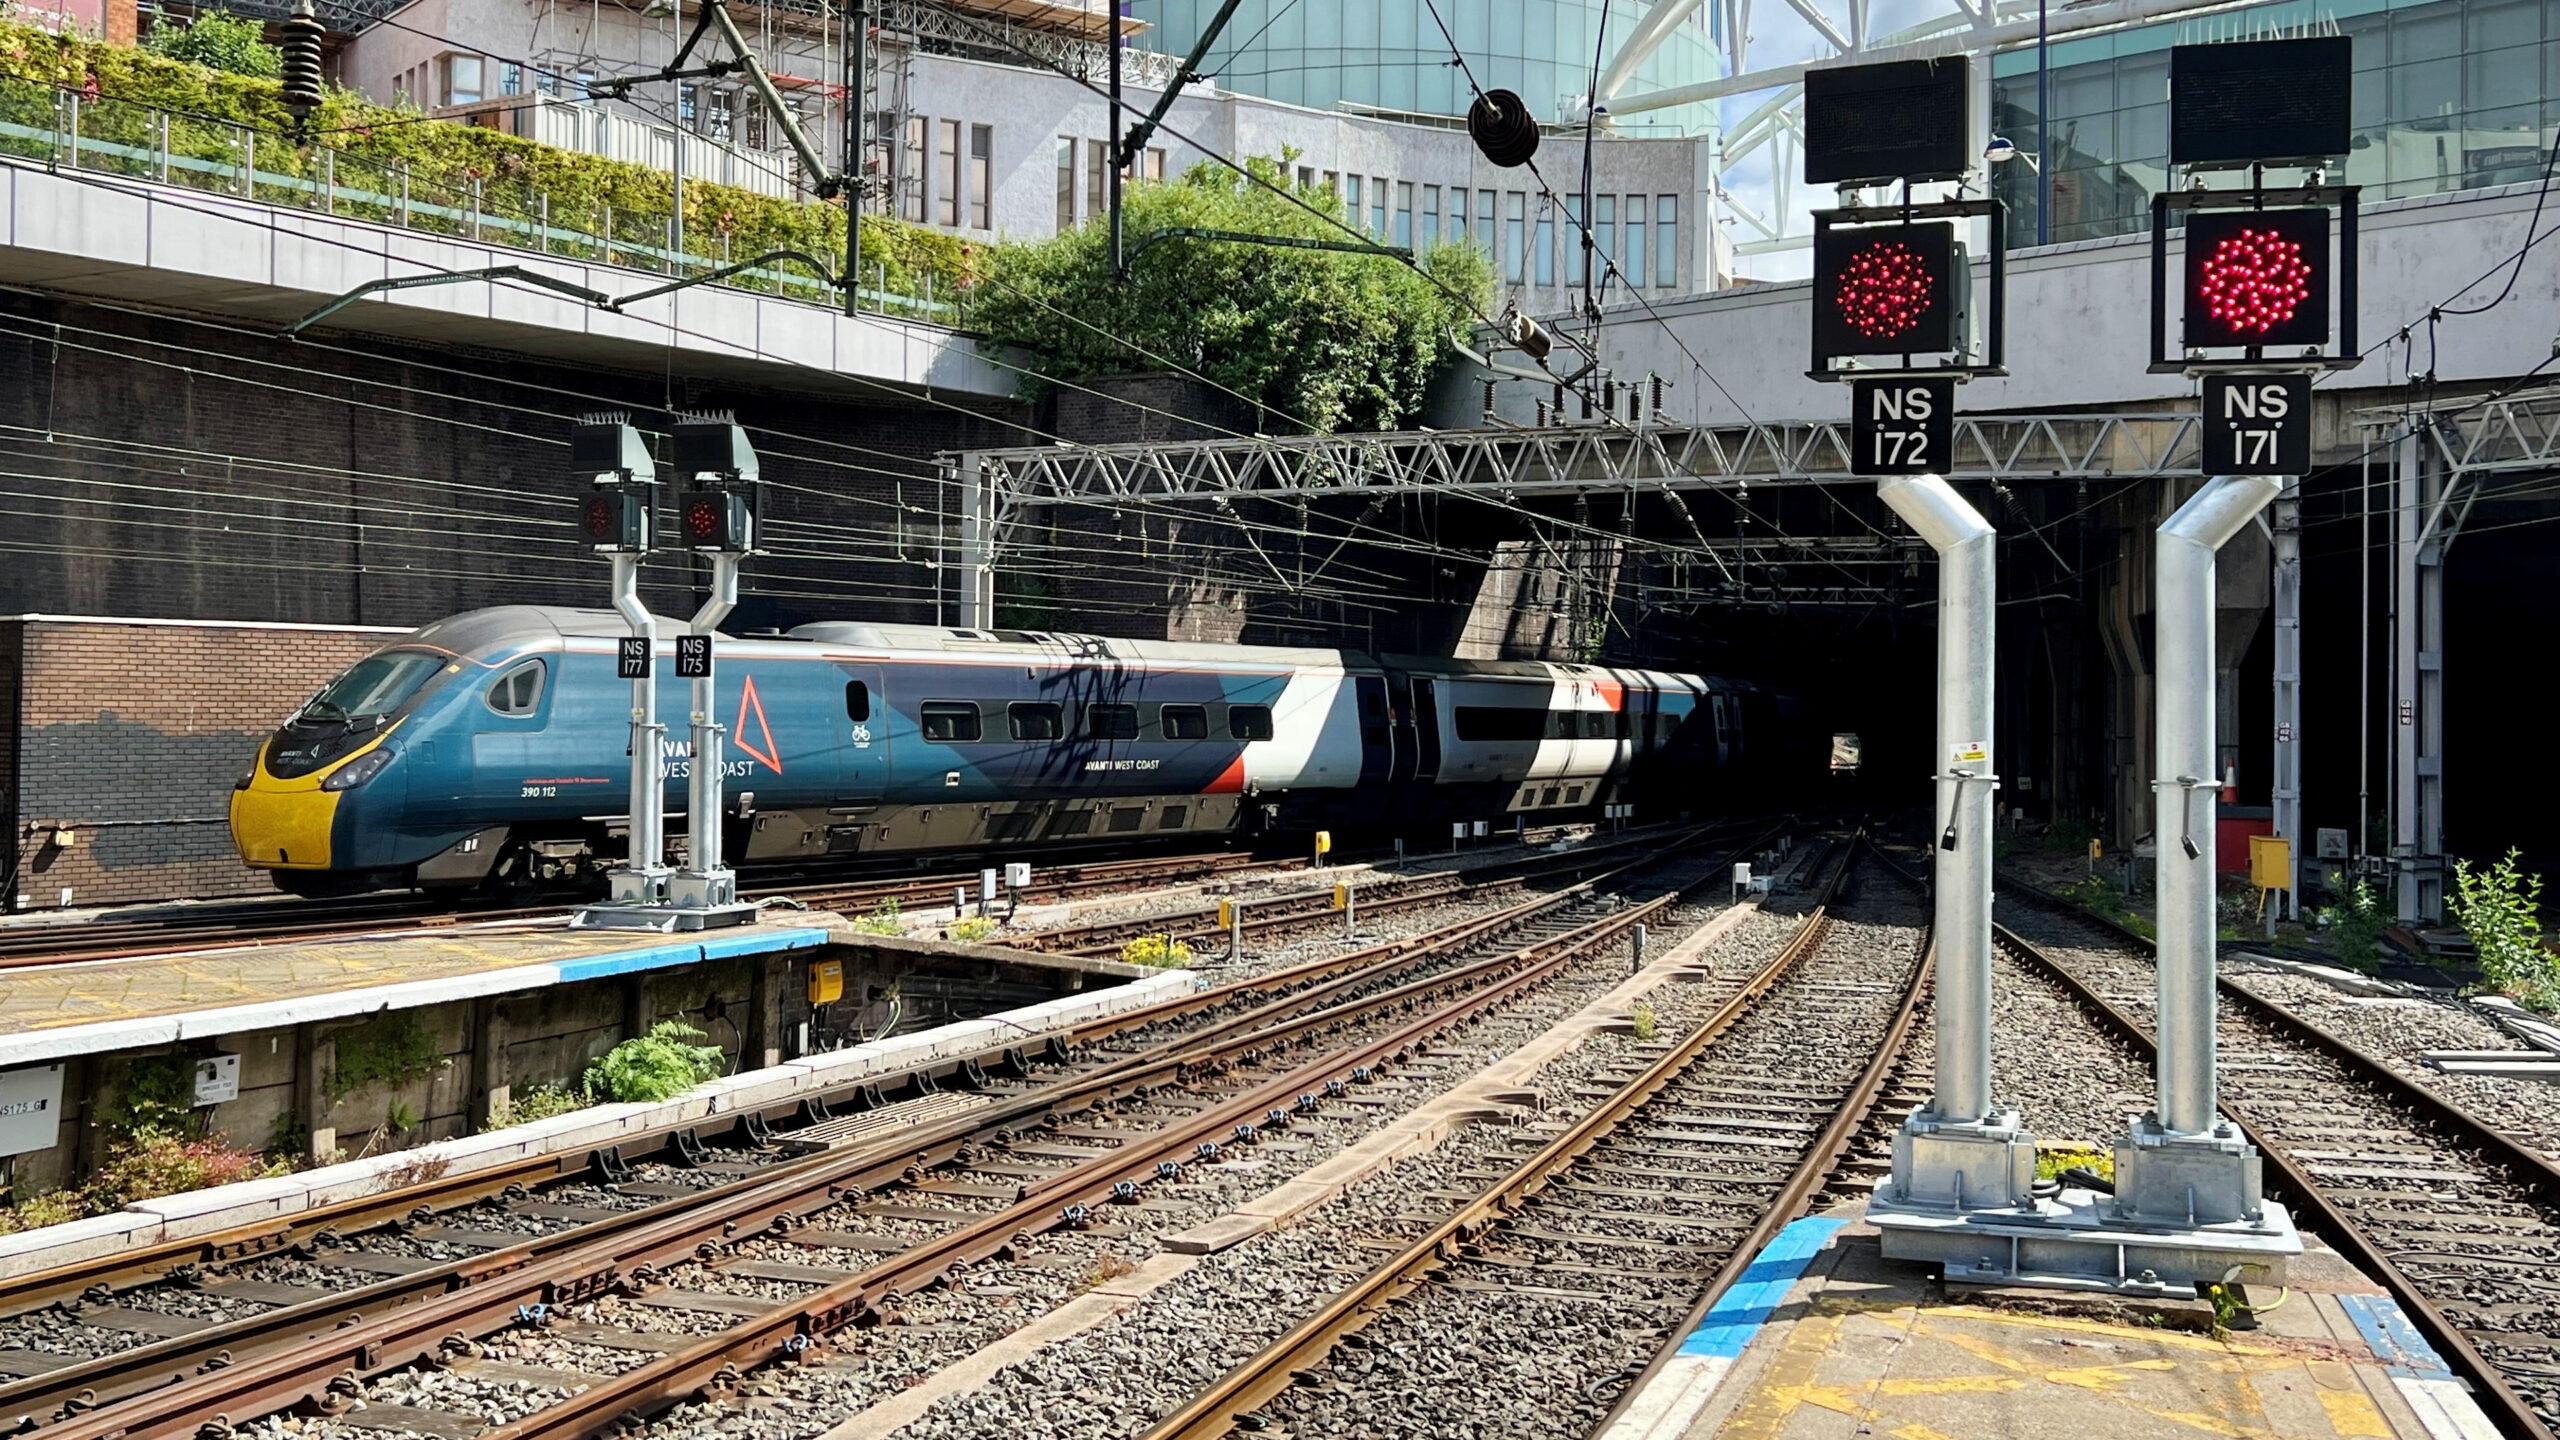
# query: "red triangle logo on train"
748,704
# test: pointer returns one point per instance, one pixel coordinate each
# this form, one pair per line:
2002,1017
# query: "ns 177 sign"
2257,424
1901,427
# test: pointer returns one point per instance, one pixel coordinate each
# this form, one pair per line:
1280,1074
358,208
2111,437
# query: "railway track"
2457,1218
215,927
1551,1282
779,1250
276,922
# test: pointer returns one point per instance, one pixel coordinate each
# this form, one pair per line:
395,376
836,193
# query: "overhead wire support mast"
827,183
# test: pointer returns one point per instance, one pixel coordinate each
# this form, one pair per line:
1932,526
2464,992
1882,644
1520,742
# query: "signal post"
1894,315
718,517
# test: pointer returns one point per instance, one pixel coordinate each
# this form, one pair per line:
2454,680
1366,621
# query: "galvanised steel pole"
1967,562
2185,787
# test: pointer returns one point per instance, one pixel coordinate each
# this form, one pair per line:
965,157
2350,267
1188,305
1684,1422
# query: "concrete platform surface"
1825,1340
51,1011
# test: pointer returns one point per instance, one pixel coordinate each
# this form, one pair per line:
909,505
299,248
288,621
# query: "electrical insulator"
615,519
301,47
1502,127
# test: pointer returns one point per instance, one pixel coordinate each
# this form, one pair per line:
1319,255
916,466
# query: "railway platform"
372,1049
50,1012
1822,1339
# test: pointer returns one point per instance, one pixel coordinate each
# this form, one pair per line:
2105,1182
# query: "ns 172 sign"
2257,424
1901,427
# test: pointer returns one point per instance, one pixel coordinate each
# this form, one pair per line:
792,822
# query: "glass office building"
1391,55
2449,95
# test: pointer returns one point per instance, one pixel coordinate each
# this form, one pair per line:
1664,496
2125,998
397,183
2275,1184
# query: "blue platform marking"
687,952
1739,1313
759,942
2393,1340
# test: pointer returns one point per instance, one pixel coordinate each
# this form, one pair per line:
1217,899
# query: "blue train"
490,749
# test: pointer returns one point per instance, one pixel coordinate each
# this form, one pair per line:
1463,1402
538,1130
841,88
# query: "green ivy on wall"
382,153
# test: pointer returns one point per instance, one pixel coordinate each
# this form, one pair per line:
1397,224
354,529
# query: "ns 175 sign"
2257,424
1901,427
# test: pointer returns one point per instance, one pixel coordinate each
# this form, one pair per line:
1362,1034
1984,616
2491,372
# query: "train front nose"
283,824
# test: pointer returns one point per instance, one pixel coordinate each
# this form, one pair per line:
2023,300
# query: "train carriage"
491,748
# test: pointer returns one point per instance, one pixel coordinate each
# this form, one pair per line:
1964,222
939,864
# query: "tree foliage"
218,39
1322,340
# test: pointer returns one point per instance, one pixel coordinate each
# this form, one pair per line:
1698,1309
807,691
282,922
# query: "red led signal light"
2257,278
1884,290
702,519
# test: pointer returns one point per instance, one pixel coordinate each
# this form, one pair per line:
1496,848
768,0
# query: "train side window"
1249,722
857,700
949,721
1184,722
1035,720
1111,722
1480,724
518,691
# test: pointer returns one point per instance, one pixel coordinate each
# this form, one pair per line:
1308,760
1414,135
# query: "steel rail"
1814,1172
130,1371
794,1329
1253,1383
485,1292
1391,892
449,1192
2508,1410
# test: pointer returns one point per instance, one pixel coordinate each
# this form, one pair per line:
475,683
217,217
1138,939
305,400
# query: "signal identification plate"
1901,427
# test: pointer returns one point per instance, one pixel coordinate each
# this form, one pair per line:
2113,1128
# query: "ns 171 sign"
2257,424
1901,427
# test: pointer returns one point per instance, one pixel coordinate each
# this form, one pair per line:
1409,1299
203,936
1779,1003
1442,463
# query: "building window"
946,171
1097,177
1378,207
1155,163
721,120
1485,222
1351,198
911,170
462,80
586,84
1306,177
1430,235
546,82
1457,215
1515,244
1066,183
511,79
1542,251
1575,257
982,173
1333,181
1604,233
1637,275
1404,213
689,106
1666,241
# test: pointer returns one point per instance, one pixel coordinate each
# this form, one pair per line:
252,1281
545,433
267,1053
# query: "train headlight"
357,771
248,774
